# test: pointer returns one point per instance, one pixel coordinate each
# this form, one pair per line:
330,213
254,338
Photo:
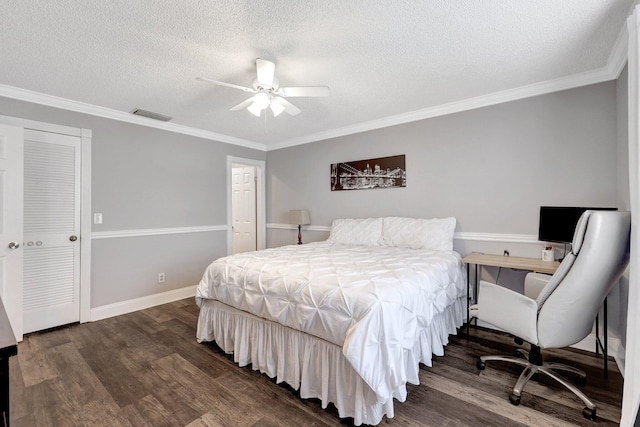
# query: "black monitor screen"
557,223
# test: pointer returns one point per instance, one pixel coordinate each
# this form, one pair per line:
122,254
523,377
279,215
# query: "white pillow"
349,231
434,234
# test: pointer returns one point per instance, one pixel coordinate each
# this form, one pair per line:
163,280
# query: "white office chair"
565,308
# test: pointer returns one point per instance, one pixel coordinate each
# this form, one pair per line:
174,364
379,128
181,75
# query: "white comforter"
373,301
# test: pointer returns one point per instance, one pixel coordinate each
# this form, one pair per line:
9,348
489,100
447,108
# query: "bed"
347,320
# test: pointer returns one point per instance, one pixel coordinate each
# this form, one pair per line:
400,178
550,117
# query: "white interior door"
11,249
244,209
51,291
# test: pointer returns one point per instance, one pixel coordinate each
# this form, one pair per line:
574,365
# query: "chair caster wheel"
589,414
581,381
481,365
515,400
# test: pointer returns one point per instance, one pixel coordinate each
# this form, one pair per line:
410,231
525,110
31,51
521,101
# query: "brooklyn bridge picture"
385,172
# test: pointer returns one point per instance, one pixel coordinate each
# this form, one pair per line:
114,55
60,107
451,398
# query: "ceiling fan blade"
266,70
288,107
215,82
243,104
298,91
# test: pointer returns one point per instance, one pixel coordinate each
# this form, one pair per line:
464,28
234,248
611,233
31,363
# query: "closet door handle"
73,238
14,245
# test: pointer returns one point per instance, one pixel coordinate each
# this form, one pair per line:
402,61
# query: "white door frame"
631,391
85,200
260,202
11,263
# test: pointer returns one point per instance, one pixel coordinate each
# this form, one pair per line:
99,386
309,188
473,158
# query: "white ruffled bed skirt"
314,366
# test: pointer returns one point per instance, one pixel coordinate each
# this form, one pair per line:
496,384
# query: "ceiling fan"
268,93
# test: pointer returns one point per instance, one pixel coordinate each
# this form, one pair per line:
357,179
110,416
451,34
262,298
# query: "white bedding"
375,302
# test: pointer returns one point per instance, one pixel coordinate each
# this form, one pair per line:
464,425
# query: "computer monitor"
558,223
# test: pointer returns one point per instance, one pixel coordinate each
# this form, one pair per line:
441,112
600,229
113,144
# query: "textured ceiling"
380,58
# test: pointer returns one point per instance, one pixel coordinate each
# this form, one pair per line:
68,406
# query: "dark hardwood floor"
146,369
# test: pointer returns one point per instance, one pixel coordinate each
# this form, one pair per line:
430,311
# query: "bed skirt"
315,367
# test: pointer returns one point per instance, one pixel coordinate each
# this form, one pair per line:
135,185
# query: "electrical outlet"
97,218
160,277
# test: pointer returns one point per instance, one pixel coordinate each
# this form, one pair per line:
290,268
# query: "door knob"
73,238
14,245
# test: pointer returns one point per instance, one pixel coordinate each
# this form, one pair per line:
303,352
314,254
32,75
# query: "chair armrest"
534,283
510,311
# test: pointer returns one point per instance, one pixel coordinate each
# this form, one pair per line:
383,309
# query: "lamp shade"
299,217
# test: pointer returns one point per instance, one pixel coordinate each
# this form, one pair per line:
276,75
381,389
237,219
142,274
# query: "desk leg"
468,303
605,350
598,334
475,295
4,391
475,290
603,344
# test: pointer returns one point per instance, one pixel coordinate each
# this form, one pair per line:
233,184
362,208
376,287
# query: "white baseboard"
589,344
124,307
620,358
615,349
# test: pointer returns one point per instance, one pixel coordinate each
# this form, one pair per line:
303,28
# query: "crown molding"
609,72
109,113
619,54
615,64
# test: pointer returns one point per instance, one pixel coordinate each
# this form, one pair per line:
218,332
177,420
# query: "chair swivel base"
530,369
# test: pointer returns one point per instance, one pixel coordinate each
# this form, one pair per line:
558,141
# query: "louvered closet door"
51,293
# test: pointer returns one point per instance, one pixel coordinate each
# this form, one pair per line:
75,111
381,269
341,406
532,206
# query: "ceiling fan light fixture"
255,109
261,100
276,108
268,93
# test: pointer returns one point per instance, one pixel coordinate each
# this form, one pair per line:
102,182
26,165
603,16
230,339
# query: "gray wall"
492,168
145,178
127,268
149,178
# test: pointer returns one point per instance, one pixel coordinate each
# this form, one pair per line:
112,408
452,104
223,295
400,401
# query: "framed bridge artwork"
384,172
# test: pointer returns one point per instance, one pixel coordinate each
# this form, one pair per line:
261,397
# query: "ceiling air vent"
150,115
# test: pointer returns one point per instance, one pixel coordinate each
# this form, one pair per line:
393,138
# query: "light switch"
97,218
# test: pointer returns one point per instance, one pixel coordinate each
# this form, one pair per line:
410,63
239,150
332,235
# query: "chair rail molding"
115,234
460,235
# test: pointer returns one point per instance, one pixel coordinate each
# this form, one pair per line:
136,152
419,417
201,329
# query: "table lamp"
299,217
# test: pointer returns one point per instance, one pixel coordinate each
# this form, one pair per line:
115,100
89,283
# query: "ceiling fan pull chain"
265,121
